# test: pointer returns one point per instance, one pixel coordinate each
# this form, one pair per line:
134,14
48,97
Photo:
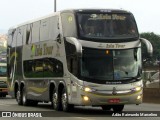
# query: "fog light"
139,97
85,98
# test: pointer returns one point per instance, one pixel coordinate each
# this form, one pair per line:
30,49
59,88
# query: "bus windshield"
111,64
107,26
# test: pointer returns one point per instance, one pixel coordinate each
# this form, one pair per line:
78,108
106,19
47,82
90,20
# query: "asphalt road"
80,113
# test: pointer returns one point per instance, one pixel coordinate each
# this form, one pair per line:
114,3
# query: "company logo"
6,114
70,19
39,50
33,50
114,92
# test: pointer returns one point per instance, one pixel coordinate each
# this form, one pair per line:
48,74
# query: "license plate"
4,90
114,100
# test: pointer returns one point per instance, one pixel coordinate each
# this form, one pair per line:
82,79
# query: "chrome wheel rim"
24,97
64,100
55,97
18,96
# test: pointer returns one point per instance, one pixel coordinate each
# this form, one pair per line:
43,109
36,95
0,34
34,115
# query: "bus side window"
52,68
10,37
28,33
13,43
20,37
36,32
53,28
44,30
72,65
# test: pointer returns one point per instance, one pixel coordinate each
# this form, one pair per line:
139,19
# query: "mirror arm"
77,44
148,45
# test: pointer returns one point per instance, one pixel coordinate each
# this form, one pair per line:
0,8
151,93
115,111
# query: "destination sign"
107,17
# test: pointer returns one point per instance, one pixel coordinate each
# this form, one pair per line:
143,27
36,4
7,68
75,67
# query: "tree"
155,41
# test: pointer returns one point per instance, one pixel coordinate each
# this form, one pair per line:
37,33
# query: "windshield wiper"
137,78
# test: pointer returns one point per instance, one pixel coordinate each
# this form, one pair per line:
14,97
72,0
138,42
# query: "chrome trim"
124,45
111,92
148,45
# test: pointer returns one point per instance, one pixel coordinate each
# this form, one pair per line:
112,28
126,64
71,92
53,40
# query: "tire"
106,107
65,105
19,97
4,95
56,101
118,108
25,101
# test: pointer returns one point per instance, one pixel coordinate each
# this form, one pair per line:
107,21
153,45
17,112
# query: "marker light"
107,52
85,98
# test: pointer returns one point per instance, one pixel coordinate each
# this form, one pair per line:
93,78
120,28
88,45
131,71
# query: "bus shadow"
78,111
88,111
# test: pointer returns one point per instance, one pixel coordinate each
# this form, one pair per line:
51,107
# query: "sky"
13,12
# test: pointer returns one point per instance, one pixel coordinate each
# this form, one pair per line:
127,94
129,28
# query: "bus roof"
97,10
73,11
34,20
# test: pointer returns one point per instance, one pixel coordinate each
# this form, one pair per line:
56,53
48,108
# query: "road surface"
80,113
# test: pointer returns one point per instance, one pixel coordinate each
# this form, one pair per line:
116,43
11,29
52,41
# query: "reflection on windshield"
111,65
97,67
3,70
126,63
106,25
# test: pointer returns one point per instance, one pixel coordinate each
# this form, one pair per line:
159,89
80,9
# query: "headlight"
137,88
87,89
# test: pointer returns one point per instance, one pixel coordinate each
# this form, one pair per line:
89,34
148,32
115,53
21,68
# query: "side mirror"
148,45
77,44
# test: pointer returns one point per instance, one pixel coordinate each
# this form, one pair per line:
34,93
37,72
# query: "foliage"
155,41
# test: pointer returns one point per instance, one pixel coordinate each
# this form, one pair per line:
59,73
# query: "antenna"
55,6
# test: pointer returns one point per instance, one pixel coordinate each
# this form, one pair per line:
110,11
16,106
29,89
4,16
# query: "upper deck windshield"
107,25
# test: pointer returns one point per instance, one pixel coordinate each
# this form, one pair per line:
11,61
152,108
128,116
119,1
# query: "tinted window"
106,25
54,27
47,67
36,32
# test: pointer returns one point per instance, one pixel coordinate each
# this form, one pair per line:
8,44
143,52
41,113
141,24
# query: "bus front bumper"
95,99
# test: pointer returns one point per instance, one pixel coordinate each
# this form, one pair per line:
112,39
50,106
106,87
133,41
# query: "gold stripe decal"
39,90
